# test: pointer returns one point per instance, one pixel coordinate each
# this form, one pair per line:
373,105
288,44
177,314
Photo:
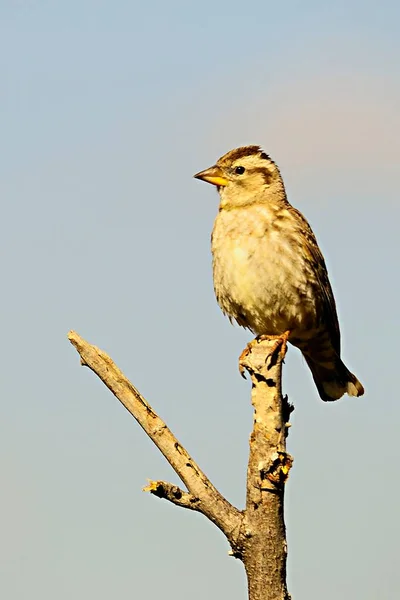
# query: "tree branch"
208,500
173,494
263,543
257,534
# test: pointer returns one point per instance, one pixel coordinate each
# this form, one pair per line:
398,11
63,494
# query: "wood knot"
278,472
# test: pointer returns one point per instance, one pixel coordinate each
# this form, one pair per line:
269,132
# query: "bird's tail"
333,379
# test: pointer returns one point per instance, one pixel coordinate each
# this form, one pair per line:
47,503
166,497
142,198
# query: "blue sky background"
107,109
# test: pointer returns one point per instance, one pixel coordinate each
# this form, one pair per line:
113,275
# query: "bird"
269,273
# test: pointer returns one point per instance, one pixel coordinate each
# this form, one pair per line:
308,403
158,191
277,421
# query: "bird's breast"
260,277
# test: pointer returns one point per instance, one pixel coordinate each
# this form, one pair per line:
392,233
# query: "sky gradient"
107,110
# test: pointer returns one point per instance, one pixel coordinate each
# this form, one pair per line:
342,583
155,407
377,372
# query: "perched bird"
269,273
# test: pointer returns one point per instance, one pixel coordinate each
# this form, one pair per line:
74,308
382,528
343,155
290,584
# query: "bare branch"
263,541
257,535
173,493
209,501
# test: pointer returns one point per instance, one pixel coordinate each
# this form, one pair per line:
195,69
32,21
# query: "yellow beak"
213,175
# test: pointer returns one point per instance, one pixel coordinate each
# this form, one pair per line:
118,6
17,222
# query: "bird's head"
244,176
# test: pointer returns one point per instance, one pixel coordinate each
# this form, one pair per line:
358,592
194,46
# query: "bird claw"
280,342
242,359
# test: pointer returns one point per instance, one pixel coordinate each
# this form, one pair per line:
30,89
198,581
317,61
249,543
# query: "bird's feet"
280,342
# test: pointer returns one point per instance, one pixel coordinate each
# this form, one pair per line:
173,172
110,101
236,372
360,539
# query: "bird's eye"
239,170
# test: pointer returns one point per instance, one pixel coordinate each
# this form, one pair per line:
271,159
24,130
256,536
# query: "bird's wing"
321,273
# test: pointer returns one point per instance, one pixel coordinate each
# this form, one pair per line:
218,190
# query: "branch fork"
257,533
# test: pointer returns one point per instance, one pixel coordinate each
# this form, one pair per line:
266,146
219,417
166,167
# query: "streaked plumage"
269,273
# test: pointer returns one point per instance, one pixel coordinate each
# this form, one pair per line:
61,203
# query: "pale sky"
107,109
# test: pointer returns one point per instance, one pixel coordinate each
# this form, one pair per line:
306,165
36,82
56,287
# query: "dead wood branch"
257,534
209,501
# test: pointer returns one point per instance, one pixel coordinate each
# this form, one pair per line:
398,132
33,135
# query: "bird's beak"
213,175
